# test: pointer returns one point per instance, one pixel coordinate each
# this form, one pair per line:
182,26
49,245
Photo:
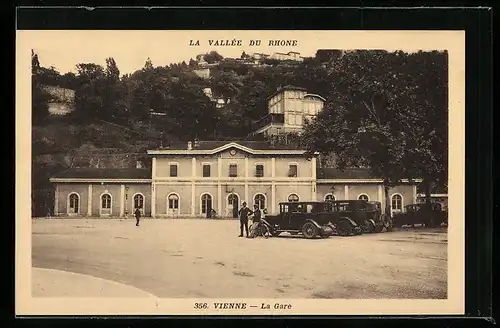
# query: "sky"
65,48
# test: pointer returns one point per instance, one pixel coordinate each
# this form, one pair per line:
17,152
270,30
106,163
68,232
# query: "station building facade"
191,179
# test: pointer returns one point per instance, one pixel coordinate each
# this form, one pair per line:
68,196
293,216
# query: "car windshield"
340,207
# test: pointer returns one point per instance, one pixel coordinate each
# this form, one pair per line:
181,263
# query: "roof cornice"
225,147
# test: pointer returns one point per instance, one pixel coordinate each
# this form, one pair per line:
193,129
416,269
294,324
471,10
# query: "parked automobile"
429,214
363,217
311,219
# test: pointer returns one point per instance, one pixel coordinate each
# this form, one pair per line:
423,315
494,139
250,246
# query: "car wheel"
344,228
309,230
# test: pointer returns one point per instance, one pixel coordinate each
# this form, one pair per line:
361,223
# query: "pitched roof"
103,173
287,87
354,173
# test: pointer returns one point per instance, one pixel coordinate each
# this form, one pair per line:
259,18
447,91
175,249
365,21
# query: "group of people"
244,213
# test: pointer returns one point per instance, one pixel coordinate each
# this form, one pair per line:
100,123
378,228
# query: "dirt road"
201,258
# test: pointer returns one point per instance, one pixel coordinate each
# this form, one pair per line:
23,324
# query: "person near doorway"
243,213
137,214
257,215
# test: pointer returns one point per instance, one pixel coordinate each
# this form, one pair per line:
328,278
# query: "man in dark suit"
243,213
137,216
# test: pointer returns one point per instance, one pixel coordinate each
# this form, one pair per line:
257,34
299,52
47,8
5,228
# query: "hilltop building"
288,108
219,101
292,55
204,73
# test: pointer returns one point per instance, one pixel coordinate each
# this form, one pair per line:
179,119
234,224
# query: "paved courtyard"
205,258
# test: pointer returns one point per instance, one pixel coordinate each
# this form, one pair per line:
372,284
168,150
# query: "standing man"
256,221
243,213
137,216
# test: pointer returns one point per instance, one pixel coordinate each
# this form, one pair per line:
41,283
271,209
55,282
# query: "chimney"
190,145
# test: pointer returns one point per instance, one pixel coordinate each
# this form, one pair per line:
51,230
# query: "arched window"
206,203
397,202
232,199
329,197
173,201
293,198
139,201
106,204
260,200
73,203
364,197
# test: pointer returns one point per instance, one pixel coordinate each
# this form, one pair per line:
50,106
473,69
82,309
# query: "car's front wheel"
309,230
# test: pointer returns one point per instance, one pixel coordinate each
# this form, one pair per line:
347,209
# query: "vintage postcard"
240,172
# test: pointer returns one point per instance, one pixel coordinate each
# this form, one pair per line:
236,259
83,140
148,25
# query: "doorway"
206,204
173,205
232,205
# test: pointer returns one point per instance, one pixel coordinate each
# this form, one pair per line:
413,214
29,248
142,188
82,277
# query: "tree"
326,55
149,64
112,71
89,102
35,63
212,57
385,111
69,81
243,55
39,97
40,103
115,96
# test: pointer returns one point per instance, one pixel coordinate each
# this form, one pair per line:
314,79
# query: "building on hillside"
63,99
188,180
153,113
204,73
219,101
292,55
288,108
258,56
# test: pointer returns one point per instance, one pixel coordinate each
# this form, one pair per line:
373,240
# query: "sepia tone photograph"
243,171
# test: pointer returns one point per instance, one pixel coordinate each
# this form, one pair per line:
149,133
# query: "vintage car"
311,219
363,217
429,214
